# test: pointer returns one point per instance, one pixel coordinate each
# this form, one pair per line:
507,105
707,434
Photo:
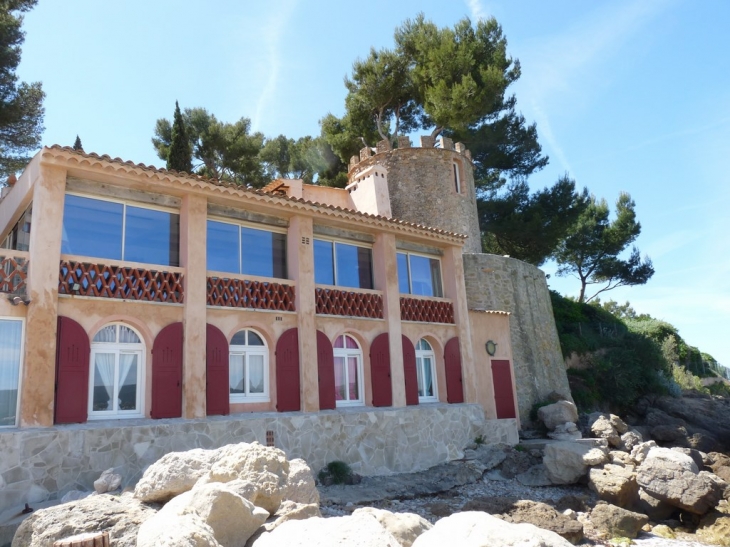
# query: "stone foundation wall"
505,284
40,464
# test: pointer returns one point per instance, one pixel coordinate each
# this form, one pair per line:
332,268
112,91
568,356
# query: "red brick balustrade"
244,293
122,282
13,274
353,304
427,311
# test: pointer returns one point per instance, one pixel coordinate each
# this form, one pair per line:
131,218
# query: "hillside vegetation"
616,356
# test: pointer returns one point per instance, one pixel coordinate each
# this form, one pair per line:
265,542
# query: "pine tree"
77,144
179,156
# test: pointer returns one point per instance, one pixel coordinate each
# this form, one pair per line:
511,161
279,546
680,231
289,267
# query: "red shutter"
72,372
287,372
167,358
504,398
409,371
380,371
216,372
325,371
452,363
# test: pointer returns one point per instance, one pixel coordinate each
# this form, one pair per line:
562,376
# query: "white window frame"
408,267
253,226
124,221
246,351
352,243
118,348
422,354
344,353
20,368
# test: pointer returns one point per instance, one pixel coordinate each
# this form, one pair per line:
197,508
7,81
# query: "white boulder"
567,462
557,413
405,527
173,474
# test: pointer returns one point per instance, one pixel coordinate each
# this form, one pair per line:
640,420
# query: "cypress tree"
179,157
77,144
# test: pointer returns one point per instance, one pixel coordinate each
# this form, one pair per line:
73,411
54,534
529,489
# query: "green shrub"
338,470
479,440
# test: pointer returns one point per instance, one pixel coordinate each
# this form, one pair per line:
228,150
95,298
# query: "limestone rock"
565,432
494,505
673,477
618,424
664,531
557,414
490,455
720,465
405,527
300,487
232,518
714,528
265,467
630,439
288,510
696,455
619,457
612,521
567,462
121,516
352,531
639,452
516,462
475,529
668,433
535,476
602,427
545,517
107,482
652,507
614,484
173,474
171,530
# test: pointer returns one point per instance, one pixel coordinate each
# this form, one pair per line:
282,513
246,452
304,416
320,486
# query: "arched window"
426,372
348,371
117,376
248,368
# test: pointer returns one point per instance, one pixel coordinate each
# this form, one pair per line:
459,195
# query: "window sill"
95,417
242,400
426,400
348,404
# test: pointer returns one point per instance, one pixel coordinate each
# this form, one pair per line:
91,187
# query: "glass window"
10,341
108,229
342,264
419,275
19,237
348,371
117,356
426,372
240,249
248,368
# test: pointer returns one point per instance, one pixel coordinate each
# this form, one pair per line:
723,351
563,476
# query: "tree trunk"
436,132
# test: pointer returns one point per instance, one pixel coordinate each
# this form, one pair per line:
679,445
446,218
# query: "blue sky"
627,95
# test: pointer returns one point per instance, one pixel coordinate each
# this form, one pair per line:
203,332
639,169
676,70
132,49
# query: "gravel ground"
435,506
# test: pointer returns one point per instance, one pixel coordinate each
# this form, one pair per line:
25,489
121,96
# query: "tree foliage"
220,150
593,245
77,144
179,156
530,226
21,104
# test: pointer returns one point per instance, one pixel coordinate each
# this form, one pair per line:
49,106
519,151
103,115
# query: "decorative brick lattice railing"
122,282
13,274
244,293
349,303
427,311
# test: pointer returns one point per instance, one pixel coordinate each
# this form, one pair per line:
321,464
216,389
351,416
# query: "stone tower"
431,185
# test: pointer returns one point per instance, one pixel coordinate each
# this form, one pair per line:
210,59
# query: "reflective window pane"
340,379
103,395
350,343
340,342
254,339
107,334
403,287
324,266
354,266
127,396
263,253
92,227
127,336
151,236
236,373
10,336
239,339
255,374
427,377
222,247
352,378
425,276
419,374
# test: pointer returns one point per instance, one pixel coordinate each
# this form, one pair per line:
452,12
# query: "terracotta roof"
323,207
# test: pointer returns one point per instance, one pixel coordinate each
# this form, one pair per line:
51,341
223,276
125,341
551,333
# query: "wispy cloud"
272,33
476,10
561,66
